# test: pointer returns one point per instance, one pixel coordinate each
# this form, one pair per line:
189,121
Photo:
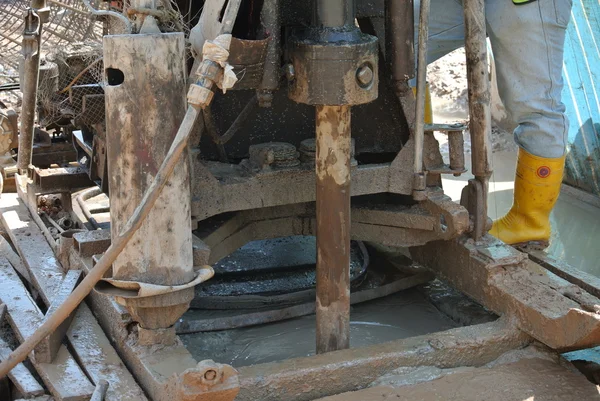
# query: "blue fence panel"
581,95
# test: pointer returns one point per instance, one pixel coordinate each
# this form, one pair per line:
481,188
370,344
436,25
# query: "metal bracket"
474,198
31,34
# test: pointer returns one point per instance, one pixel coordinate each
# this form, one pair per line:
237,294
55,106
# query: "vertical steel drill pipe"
333,13
271,18
333,227
31,73
480,126
420,107
334,20
399,39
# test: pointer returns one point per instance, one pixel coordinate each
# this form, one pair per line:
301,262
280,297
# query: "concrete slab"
525,380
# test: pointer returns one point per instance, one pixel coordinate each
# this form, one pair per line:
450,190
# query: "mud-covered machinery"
301,120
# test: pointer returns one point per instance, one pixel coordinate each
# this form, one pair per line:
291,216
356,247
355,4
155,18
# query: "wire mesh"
72,69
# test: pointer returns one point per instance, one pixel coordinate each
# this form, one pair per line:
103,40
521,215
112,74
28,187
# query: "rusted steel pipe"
333,227
479,87
419,133
334,13
138,140
456,146
399,43
271,19
480,126
29,85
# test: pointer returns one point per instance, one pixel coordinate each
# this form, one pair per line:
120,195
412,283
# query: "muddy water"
402,315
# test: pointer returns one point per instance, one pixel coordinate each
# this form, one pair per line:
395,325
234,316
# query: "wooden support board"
47,350
36,254
89,343
64,378
21,377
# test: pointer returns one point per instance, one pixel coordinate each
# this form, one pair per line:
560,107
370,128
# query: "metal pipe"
399,37
333,146
271,19
101,13
29,86
479,87
419,183
334,13
456,147
480,126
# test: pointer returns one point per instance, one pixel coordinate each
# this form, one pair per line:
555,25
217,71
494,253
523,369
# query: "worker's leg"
527,41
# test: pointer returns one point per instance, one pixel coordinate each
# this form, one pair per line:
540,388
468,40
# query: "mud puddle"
402,315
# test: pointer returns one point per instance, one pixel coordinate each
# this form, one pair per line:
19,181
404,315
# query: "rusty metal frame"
550,309
162,370
386,224
218,187
494,274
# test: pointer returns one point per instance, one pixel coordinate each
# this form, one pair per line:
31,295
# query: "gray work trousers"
527,44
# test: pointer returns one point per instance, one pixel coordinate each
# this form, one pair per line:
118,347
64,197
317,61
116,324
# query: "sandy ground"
447,78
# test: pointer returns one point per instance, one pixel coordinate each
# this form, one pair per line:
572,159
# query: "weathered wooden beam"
93,349
47,350
4,389
14,259
36,254
40,398
21,377
64,378
100,391
90,243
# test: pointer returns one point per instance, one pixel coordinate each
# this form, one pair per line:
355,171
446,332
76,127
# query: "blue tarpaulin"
581,95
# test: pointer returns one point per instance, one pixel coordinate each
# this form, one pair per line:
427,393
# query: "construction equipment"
202,149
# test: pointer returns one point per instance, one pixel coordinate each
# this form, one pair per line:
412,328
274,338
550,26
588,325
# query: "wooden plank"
31,204
64,378
40,398
31,244
21,377
93,349
100,391
47,350
4,389
580,278
14,259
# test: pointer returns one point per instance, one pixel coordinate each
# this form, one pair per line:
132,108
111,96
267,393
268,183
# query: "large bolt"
364,75
210,375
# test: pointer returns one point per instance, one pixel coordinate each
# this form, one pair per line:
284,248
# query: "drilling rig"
194,133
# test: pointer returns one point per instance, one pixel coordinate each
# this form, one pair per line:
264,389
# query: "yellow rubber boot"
537,186
428,118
